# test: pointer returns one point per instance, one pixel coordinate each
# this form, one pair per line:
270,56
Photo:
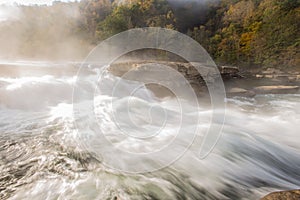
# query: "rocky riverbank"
270,81
168,76
277,74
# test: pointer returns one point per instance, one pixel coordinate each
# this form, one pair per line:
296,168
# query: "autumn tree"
139,13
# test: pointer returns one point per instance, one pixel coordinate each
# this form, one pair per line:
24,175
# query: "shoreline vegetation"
245,33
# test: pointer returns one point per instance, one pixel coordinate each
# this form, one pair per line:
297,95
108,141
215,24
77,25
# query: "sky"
28,2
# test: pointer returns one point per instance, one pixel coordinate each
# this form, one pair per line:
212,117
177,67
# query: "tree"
139,13
93,12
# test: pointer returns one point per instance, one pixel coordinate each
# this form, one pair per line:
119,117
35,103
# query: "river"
42,155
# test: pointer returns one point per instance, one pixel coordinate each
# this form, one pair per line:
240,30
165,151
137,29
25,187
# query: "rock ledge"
284,195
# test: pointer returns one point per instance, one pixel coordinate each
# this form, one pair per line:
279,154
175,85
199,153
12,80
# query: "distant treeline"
242,32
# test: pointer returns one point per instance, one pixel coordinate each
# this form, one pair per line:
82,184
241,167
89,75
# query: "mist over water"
43,156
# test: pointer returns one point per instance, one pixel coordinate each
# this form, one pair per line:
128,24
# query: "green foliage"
115,23
264,32
92,13
140,13
287,5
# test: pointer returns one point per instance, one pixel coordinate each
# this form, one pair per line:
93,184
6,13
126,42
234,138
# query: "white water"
43,157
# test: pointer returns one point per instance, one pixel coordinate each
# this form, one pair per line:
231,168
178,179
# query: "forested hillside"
239,32
248,32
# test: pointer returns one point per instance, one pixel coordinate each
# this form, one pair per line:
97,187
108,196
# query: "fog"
42,32
59,32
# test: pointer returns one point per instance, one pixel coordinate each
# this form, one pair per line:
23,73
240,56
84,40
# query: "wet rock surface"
284,195
276,89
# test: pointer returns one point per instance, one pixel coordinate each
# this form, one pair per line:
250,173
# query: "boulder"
229,70
276,89
240,92
284,195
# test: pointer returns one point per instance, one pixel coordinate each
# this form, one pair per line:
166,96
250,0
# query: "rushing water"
41,156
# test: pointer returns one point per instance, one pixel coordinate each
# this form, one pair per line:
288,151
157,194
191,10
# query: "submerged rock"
240,92
276,89
284,195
